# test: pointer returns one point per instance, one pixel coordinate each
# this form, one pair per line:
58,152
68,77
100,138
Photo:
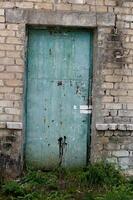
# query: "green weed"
100,181
103,175
120,193
13,188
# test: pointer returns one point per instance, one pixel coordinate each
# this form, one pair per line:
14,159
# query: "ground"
96,182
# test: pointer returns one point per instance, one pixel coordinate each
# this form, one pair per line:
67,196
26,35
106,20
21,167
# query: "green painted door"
58,89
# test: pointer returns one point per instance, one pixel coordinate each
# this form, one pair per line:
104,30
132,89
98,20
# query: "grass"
100,181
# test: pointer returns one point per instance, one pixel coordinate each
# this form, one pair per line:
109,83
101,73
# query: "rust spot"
77,90
71,83
50,52
62,146
59,83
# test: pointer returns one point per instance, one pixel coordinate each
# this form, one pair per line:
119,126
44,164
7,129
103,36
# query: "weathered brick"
102,127
110,2
7,4
24,4
118,92
5,103
12,97
13,111
13,54
96,2
123,86
7,61
107,85
112,146
18,90
107,99
19,76
13,27
128,4
113,126
130,106
19,61
2,19
82,8
107,71
113,106
125,113
1,83
7,46
75,1
113,78
2,53
6,117
2,40
63,7
122,10
124,163
14,82
2,125
7,76
126,99
121,153
122,127
13,40
45,6
101,9
7,33
6,89
14,68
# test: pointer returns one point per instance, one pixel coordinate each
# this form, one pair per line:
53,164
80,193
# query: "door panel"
58,85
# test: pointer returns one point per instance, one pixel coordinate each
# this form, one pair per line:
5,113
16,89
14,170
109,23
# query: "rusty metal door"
58,90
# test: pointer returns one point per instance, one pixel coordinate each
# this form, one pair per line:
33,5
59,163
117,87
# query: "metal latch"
85,109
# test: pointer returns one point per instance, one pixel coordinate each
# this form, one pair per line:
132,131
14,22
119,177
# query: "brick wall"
112,82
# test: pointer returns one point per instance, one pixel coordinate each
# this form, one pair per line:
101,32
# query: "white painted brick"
102,127
112,126
121,153
122,127
1,11
14,125
130,127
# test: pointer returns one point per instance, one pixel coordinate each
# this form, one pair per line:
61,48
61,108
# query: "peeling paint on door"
58,88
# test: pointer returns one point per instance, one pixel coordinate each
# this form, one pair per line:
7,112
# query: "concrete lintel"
39,17
105,19
14,125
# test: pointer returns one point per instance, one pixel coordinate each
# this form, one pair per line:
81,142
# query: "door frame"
88,142
100,23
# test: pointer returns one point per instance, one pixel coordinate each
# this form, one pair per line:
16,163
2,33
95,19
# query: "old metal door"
58,89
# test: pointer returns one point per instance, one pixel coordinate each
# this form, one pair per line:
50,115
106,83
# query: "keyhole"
65,143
